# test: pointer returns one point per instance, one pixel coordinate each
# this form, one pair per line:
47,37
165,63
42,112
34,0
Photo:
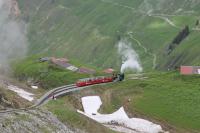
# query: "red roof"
86,70
109,70
186,70
62,62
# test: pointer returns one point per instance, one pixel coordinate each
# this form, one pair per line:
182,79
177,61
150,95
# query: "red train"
99,80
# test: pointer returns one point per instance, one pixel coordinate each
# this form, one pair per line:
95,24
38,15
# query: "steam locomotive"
100,80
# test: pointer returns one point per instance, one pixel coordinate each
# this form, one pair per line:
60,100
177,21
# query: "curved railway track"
57,92
54,92
44,99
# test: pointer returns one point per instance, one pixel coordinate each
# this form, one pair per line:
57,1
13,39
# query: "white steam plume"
130,59
13,43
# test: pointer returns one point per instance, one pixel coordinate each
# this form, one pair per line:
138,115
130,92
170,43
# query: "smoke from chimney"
130,59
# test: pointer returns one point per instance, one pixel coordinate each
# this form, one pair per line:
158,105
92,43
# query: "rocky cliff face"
14,8
32,121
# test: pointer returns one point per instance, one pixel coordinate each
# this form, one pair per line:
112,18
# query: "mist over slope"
13,42
89,30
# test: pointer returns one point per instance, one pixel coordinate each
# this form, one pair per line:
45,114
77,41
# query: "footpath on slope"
145,49
157,15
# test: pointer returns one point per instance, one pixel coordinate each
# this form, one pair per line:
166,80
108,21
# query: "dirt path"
138,42
164,17
161,16
117,4
145,49
196,29
166,20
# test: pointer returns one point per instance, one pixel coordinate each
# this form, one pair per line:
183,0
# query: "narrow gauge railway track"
63,90
54,93
57,92
43,99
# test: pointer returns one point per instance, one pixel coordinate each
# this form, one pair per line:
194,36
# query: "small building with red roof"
189,70
109,71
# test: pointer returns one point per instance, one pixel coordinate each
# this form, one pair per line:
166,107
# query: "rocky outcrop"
5,102
32,121
14,8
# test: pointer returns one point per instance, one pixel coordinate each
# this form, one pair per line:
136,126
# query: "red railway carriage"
92,81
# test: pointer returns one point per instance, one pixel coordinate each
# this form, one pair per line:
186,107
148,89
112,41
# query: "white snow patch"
72,68
34,87
179,10
22,93
118,121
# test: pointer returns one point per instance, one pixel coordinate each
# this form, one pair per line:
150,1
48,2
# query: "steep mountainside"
89,30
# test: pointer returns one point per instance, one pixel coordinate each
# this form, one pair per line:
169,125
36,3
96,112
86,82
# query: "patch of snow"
107,118
118,121
22,93
34,87
95,102
72,68
178,10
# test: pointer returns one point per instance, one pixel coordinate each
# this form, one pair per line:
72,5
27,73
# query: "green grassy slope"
88,30
176,103
47,75
65,110
169,99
